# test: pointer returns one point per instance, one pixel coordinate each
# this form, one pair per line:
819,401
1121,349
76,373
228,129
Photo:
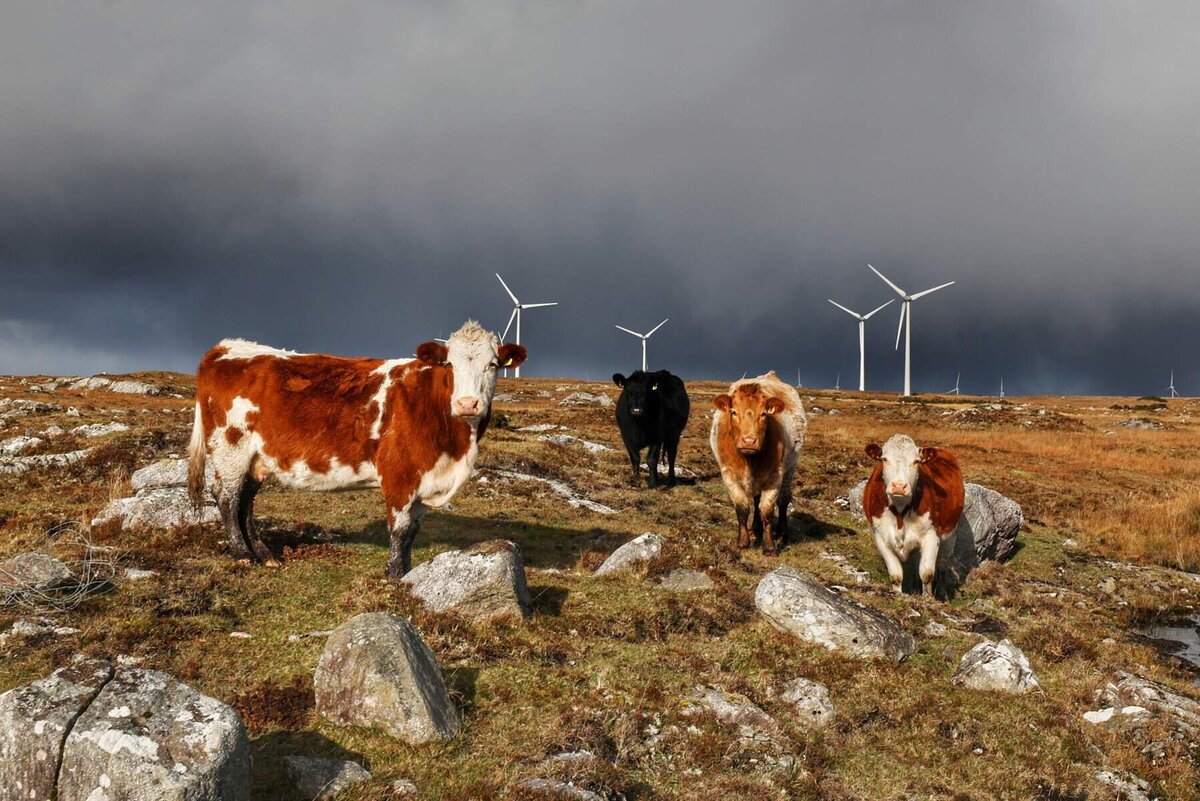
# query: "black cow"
651,412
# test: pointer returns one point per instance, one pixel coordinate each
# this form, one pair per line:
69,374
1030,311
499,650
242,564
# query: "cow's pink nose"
467,406
899,488
749,442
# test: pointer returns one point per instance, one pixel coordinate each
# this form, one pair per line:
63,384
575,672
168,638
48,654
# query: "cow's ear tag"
507,362
654,386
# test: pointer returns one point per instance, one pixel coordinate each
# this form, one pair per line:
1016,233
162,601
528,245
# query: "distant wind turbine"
838,383
516,314
1002,387
906,324
955,390
862,339
1171,386
644,337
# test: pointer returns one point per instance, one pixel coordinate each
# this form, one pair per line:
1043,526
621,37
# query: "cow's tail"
196,457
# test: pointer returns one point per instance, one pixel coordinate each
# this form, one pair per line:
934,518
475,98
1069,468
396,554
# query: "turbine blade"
627,331
899,291
509,291
537,305
655,328
931,291
900,330
884,306
853,314
511,317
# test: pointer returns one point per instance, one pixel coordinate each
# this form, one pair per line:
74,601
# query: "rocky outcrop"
86,733
34,722
1142,710
14,446
758,733
586,399
376,671
988,529
799,605
160,501
635,553
483,582
23,464
998,667
99,429
323,779
567,439
684,580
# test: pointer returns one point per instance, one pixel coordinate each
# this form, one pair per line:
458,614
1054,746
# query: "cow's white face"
900,457
474,355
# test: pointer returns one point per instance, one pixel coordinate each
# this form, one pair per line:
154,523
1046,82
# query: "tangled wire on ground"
92,569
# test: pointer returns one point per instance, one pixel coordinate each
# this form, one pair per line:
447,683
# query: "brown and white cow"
913,500
757,432
316,422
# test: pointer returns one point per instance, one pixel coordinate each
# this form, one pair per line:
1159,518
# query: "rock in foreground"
798,604
160,501
810,704
34,721
33,572
377,672
147,735
483,582
1000,667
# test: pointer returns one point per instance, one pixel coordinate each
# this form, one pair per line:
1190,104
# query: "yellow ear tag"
507,362
654,386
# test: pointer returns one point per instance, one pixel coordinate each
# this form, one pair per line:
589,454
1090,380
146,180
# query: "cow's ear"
774,406
511,355
432,353
927,454
722,402
619,380
874,451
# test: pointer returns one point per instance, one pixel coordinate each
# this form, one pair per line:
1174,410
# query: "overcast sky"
347,179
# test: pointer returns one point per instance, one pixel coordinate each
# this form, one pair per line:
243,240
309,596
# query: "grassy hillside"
603,662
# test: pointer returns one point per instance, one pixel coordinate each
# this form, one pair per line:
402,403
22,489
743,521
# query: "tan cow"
757,432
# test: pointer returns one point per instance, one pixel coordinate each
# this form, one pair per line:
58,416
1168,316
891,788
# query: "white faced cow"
913,499
409,426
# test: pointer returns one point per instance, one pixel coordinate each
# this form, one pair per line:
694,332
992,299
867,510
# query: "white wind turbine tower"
644,337
906,324
838,383
1171,386
955,390
862,339
516,314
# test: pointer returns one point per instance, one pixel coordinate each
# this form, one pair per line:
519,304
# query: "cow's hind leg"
672,447
229,501
250,488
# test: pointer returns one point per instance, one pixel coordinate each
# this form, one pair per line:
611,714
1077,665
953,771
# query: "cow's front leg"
895,567
743,504
404,524
929,555
635,462
766,511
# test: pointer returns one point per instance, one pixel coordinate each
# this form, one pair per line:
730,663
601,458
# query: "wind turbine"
1001,387
516,314
644,337
906,315
838,383
955,390
1171,387
862,339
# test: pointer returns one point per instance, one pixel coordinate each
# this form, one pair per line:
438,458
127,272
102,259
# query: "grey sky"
348,179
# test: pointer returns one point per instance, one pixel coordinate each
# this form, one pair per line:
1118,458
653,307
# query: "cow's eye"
492,366
732,413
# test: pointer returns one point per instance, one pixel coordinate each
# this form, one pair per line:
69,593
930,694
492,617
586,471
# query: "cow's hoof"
272,563
245,561
770,552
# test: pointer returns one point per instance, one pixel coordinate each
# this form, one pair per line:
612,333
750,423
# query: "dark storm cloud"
348,180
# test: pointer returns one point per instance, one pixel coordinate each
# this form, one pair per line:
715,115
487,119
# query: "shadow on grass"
802,524
268,751
548,600
541,546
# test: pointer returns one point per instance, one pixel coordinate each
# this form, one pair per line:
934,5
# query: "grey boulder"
483,582
34,721
148,736
800,605
160,501
632,554
999,667
166,473
376,671
32,572
323,779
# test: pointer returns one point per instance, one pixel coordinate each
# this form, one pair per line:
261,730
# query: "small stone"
403,787
935,629
138,574
483,582
32,572
810,703
684,580
632,554
996,666
323,779
554,790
